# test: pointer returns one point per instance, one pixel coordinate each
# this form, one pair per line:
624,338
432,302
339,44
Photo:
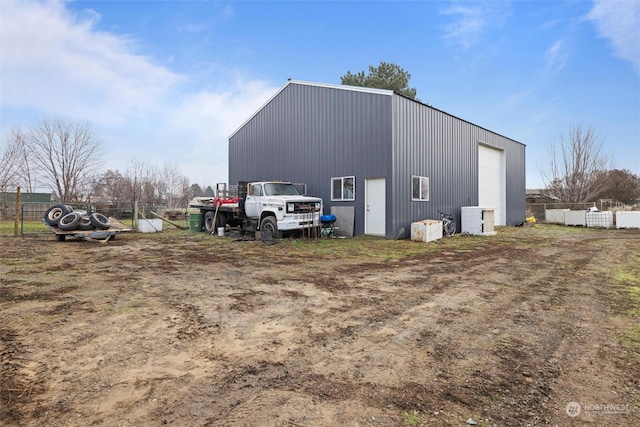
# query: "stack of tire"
67,219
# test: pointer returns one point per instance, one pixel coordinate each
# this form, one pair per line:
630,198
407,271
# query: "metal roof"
387,92
325,85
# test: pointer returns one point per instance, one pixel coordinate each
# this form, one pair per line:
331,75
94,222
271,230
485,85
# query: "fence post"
135,215
15,225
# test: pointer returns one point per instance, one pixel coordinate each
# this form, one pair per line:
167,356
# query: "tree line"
66,157
578,169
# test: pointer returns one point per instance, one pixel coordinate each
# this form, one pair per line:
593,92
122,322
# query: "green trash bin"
195,222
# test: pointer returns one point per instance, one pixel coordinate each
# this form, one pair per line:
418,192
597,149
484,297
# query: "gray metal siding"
310,134
429,142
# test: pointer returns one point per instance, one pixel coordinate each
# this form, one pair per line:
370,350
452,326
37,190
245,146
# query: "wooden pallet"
90,235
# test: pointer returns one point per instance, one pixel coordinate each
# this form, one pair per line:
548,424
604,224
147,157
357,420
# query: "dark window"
420,188
343,188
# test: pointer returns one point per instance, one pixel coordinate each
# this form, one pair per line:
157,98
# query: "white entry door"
491,181
375,206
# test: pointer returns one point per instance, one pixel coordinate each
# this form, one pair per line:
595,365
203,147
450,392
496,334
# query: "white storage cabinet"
478,220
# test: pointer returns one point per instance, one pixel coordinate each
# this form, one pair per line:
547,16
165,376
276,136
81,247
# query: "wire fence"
31,215
539,210
583,214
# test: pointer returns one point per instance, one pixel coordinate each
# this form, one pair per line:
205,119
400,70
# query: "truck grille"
304,208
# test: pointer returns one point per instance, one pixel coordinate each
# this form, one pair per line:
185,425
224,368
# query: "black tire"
100,221
269,226
70,221
450,229
81,212
53,215
60,237
85,224
209,225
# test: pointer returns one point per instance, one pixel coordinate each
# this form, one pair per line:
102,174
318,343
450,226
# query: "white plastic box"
149,225
600,219
577,218
426,230
625,219
554,216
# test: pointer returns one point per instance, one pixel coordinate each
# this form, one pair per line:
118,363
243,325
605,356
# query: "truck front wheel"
270,226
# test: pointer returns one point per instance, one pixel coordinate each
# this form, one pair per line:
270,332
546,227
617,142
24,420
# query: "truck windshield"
280,189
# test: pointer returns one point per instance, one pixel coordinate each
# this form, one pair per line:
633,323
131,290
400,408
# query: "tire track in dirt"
505,337
22,378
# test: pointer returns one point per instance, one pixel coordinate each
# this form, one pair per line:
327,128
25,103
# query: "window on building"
343,188
420,188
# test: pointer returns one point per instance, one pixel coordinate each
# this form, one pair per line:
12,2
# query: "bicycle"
448,225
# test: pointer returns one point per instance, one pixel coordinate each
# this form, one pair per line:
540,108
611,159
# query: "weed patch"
410,419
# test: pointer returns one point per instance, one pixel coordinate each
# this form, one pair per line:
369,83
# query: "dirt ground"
187,329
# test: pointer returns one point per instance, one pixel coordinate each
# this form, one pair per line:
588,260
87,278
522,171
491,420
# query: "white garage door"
491,181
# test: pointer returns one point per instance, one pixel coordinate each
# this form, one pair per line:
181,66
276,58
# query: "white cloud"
472,19
192,28
54,62
58,63
465,30
203,121
556,57
619,22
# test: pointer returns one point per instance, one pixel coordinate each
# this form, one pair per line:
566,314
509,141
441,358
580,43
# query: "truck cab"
280,207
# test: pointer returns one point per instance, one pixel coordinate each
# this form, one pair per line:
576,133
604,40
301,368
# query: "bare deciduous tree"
140,178
66,153
9,165
143,184
15,169
572,169
174,185
110,186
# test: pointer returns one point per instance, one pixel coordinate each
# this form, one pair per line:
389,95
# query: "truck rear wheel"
212,222
270,226
209,225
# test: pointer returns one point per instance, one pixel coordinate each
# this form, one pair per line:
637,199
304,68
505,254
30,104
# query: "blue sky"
169,81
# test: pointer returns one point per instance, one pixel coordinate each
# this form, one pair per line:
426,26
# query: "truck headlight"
318,207
290,207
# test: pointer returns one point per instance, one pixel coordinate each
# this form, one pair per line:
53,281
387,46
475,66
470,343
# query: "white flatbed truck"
271,207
